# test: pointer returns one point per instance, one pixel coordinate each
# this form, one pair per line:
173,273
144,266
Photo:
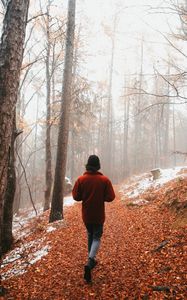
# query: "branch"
163,244
28,39
35,17
31,63
168,82
143,92
3,3
35,93
180,152
165,37
30,81
155,104
173,45
25,175
147,108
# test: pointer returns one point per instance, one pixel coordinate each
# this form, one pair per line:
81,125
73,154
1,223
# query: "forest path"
127,265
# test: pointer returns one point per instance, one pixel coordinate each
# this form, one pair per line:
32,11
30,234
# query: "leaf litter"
143,254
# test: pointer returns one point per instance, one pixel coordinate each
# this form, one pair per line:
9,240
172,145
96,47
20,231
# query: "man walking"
93,189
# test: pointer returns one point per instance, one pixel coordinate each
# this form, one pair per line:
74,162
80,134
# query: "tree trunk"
72,154
48,173
125,138
7,237
174,138
167,125
11,55
34,175
60,169
18,145
110,142
138,118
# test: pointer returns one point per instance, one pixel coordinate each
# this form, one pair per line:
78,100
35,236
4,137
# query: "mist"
128,95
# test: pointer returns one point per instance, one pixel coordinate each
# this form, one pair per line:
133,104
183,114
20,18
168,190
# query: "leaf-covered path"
128,268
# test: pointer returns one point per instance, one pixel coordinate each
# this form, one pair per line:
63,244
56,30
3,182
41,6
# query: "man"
93,189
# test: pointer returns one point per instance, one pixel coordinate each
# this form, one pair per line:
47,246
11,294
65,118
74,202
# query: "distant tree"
48,175
54,57
109,151
60,170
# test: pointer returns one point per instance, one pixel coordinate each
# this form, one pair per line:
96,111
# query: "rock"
156,173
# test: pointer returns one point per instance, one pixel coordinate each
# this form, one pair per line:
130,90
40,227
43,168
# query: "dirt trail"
128,267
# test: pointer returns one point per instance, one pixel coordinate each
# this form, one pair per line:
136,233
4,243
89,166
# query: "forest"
103,77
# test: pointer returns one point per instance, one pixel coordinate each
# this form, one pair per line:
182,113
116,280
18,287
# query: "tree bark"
11,55
109,137
138,118
48,172
19,149
60,169
7,237
125,138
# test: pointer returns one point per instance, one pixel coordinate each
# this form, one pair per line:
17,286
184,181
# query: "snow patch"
68,201
39,254
25,215
50,229
21,220
20,258
141,185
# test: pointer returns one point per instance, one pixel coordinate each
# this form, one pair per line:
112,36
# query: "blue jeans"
95,232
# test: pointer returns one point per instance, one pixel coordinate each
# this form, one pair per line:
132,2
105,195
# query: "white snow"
20,220
141,185
39,254
68,201
28,253
50,229
27,214
14,272
20,259
19,251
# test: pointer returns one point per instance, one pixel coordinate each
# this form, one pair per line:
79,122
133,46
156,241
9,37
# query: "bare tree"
48,175
60,170
109,133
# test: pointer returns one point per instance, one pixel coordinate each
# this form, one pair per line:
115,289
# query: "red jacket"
93,189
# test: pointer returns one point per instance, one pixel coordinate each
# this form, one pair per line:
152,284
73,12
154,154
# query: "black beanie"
93,163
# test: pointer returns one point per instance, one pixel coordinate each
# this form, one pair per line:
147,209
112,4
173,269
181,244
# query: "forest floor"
143,254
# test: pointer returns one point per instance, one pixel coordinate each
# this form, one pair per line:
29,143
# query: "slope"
142,256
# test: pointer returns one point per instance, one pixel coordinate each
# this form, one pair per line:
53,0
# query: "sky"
135,21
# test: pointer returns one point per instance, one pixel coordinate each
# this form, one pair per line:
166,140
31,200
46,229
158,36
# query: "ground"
143,255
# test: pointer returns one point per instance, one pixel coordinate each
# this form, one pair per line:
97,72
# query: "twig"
25,175
158,288
164,243
37,16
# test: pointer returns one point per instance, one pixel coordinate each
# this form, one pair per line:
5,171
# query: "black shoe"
92,263
87,274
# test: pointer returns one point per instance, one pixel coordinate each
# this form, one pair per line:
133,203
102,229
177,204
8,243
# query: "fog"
129,89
